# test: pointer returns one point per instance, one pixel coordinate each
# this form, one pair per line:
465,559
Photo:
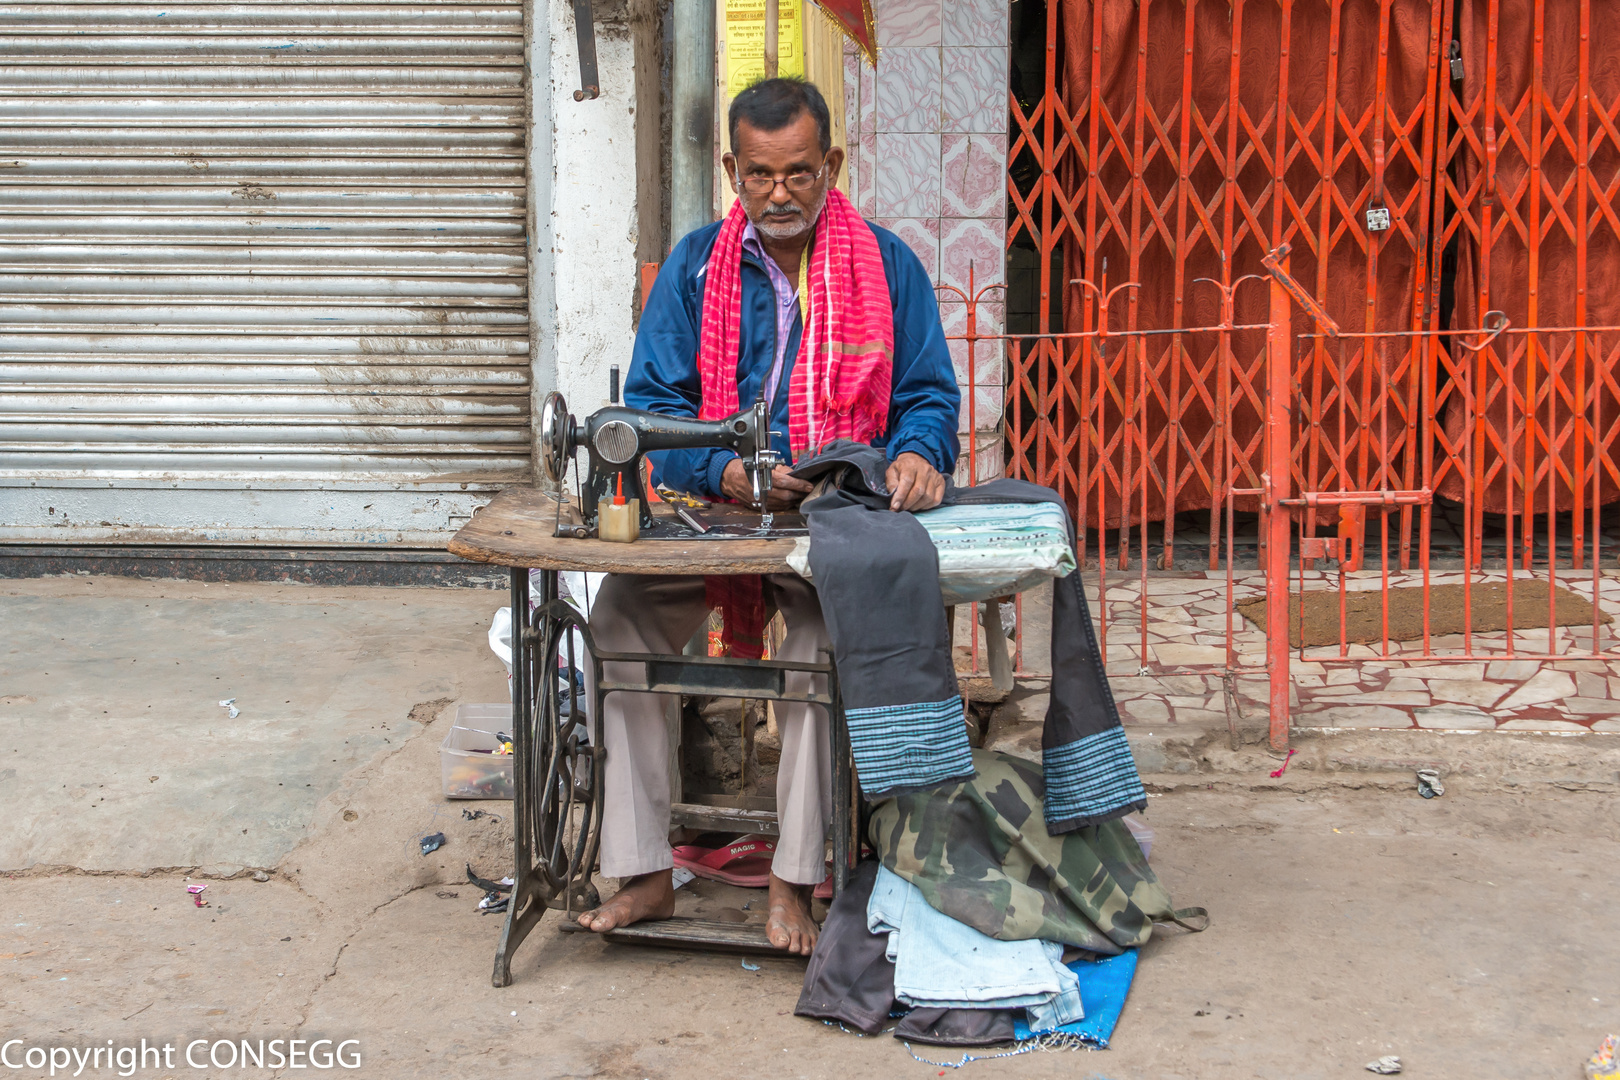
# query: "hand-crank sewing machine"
617,438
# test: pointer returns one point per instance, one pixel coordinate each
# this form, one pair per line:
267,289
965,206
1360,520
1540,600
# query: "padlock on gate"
1319,547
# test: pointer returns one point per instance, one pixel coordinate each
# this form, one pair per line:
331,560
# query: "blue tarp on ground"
1104,985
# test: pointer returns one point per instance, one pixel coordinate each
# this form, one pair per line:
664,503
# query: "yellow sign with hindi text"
745,42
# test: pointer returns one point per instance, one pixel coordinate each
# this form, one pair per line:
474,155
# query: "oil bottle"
620,520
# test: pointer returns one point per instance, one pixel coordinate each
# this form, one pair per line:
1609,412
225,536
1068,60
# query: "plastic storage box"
468,765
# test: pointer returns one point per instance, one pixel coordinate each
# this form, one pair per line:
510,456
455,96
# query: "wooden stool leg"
995,647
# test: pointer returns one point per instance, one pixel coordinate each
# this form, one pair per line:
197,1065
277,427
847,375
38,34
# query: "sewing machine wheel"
565,776
554,446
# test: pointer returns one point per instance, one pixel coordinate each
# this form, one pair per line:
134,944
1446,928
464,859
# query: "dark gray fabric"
850,978
956,1027
878,579
1089,772
855,471
1091,776
1082,702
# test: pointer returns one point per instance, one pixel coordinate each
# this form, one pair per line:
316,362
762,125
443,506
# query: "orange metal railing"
1428,162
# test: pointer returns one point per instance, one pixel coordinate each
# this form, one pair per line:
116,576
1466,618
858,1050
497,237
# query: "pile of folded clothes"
962,925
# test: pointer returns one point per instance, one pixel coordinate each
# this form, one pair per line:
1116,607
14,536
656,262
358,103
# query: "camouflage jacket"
979,851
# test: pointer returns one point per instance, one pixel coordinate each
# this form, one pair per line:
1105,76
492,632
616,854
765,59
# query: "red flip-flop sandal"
824,891
745,862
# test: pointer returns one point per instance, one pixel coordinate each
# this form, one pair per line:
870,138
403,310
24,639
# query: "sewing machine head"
617,437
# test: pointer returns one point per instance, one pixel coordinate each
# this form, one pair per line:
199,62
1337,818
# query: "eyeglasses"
764,185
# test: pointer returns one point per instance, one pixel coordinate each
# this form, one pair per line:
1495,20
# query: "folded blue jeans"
941,963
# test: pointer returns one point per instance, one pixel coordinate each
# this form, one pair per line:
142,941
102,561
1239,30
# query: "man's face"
783,214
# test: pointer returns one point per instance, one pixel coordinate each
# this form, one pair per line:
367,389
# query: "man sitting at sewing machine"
832,321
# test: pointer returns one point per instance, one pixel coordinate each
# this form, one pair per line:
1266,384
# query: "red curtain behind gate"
1142,80
1540,96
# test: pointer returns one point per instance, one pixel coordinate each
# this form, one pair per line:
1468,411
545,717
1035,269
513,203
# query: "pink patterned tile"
975,89
991,321
953,313
907,175
987,457
988,408
986,413
866,99
908,90
975,244
973,173
921,235
987,353
907,22
989,318
975,22
852,172
865,186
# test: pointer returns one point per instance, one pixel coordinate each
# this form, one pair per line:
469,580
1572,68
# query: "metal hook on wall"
585,31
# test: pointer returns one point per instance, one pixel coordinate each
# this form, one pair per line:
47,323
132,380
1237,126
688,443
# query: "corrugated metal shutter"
262,269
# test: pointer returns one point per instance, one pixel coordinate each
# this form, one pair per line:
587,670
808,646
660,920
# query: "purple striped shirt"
787,306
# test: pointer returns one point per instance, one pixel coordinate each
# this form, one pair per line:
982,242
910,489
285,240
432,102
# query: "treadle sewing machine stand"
559,784
558,773
552,771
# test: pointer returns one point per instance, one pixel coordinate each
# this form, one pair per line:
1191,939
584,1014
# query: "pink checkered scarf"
839,388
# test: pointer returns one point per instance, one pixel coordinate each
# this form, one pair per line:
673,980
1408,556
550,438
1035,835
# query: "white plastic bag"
579,589
1142,831
500,643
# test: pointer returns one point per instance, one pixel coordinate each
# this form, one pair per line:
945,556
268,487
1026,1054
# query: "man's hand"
916,484
786,489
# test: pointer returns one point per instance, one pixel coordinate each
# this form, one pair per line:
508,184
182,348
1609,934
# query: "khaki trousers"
659,614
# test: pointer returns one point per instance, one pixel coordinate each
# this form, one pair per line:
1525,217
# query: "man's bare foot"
790,926
648,896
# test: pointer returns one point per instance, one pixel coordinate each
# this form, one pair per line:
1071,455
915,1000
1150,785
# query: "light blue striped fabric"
1091,779
903,748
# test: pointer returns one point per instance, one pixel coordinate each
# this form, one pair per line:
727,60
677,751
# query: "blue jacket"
924,399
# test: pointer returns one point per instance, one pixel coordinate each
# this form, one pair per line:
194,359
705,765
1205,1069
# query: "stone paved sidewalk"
1182,680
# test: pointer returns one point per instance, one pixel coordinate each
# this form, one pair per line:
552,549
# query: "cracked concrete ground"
1472,935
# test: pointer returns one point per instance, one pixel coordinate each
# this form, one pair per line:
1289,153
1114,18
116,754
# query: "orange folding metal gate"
1439,171
1155,171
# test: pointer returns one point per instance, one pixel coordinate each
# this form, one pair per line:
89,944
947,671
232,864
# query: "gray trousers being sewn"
644,613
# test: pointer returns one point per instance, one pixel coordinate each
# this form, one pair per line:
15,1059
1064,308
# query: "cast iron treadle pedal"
667,676
683,933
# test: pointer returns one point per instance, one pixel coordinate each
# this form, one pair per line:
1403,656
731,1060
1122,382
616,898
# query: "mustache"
774,211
